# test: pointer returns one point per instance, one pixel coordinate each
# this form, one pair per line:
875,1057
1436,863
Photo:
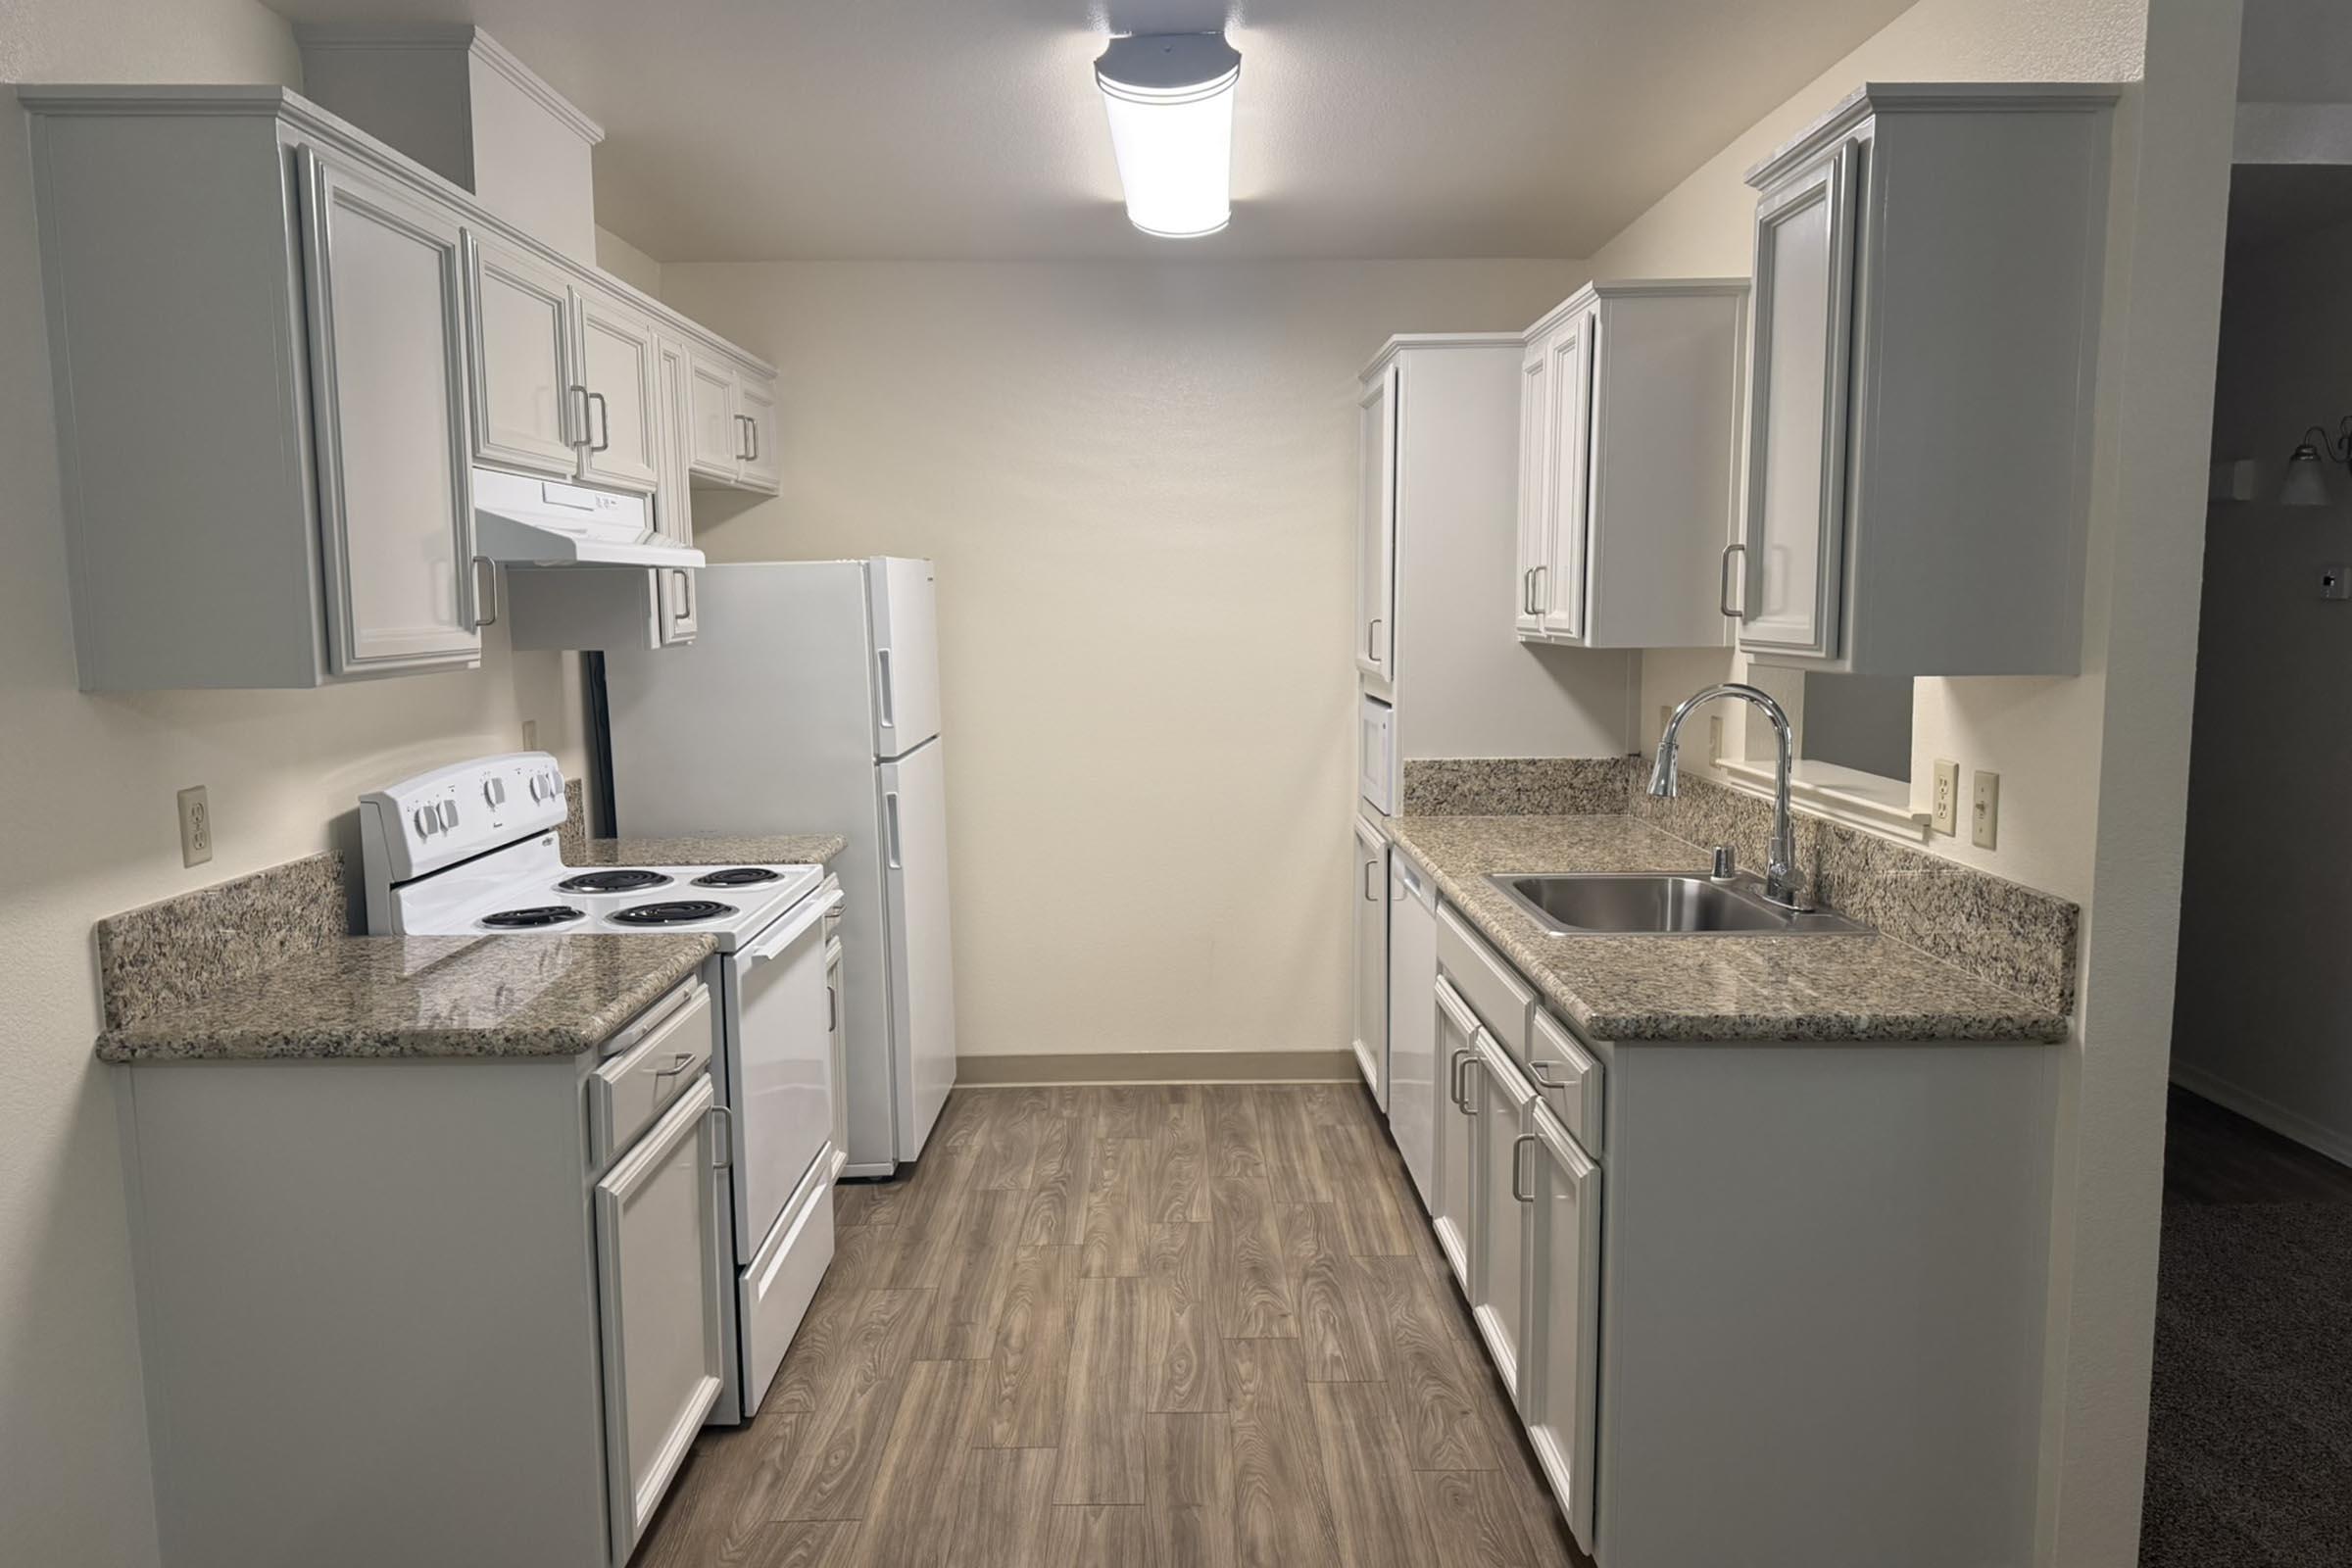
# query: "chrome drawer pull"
1519,1146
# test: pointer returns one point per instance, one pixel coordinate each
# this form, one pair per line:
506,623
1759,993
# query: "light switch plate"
1984,816
530,734
195,826
1946,808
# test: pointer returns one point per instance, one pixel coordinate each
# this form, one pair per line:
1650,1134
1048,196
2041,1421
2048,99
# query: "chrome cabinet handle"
580,437
482,617
1371,893
1723,594
1527,592
1542,574
1538,1071
832,1010
725,1157
678,1064
1372,638
752,428
604,423
1453,1081
1519,1147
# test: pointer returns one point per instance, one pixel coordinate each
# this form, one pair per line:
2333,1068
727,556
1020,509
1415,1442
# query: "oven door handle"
796,923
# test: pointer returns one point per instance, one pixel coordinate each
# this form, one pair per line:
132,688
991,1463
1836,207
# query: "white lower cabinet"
658,1290
1560,1368
1370,896
1454,1132
1498,1274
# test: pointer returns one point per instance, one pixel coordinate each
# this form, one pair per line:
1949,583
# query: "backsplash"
1516,786
1997,930
167,955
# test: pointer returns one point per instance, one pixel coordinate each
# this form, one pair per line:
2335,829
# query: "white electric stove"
472,849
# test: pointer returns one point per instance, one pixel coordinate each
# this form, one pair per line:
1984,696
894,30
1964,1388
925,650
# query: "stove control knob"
426,822
493,792
449,813
538,788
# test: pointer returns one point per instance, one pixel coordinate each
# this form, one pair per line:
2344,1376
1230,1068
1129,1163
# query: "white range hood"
542,522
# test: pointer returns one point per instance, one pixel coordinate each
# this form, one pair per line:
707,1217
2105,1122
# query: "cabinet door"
755,401
620,369
1453,1138
1559,1391
1534,488
1376,533
390,424
522,345
674,498
714,434
1416,1071
1561,577
1498,1244
657,1256
1371,901
1793,535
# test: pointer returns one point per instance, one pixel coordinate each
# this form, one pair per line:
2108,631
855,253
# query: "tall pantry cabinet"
1441,671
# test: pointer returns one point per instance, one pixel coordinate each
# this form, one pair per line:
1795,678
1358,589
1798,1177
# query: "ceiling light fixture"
1169,96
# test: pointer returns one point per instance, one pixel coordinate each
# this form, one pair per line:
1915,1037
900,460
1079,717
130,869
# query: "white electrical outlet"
1984,817
195,826
1946,807
1715,739
530,734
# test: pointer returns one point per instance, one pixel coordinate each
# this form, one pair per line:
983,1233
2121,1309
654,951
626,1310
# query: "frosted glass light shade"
1169,97
2306,480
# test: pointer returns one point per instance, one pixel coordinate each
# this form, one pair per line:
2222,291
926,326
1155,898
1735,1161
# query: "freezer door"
904,609
922,979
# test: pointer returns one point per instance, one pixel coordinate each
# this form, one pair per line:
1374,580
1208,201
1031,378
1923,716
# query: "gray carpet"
2250,1431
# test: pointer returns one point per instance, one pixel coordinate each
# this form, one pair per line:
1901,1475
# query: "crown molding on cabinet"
1432,340
1877,98
1633,288
452,36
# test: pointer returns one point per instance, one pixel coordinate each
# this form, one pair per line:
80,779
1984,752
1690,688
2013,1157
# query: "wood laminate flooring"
1161,1326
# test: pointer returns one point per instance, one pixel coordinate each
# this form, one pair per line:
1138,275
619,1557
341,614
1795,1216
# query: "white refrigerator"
809,703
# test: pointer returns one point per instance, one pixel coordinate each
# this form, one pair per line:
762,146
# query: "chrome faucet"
1783,884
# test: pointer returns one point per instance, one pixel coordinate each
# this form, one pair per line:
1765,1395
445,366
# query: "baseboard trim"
2312,1135
1160,1067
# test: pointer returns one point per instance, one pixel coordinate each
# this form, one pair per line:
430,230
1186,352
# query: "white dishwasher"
1413,1019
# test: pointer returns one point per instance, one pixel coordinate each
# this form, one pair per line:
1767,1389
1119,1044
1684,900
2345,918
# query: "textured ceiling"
970,128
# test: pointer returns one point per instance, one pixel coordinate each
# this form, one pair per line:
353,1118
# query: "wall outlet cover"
195,826
1945,818
530,734
1984,815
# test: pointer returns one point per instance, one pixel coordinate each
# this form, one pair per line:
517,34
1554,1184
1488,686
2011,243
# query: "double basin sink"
1660,904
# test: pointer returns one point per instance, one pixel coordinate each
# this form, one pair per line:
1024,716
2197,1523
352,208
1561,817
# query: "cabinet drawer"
1501,1000
627,1092
1567,1077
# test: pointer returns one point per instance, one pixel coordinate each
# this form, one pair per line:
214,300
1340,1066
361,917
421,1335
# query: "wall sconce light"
2307,468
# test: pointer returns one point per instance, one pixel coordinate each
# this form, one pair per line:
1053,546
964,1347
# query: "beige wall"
89,784
1138,481
2093,767
627,262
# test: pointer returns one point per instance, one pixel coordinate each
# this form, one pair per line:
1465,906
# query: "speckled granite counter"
378,997
715,848
1660,988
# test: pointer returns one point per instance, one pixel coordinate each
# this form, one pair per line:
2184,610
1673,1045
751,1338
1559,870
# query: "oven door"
779,1070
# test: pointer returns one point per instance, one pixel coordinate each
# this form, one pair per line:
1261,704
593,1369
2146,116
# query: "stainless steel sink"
1659,904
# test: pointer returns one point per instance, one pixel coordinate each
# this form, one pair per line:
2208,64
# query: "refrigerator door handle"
890,819
889,702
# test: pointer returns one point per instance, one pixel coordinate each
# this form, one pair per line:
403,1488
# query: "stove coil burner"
741,876
629,880
544,914
677,912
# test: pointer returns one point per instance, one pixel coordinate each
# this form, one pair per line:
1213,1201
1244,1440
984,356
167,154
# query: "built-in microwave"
1376,755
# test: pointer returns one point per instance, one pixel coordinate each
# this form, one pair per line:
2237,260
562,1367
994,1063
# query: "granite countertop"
714,849
1861,986
386,996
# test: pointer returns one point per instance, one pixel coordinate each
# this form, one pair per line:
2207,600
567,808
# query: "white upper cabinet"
1927,270
620,390
674,501
755,401
523,350
1376,532
388,387
1629,395
732,420
316,340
